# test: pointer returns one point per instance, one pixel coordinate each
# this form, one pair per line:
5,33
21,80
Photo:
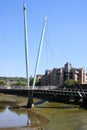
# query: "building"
57,76
46,78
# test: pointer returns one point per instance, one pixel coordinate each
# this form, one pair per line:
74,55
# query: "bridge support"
30,103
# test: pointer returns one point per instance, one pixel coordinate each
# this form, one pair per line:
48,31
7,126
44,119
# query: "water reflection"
33,119
20,118
61,117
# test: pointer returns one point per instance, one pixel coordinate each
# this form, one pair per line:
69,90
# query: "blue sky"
65,38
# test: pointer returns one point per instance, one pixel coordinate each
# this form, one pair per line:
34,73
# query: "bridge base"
30,103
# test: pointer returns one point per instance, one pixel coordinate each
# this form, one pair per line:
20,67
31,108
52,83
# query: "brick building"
57,76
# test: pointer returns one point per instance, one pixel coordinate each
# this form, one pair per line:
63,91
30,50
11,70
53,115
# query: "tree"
31,81
19,83
70,82
37,83
2,83
77,82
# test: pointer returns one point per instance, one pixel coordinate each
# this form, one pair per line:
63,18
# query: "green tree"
2,83
70,82
37,83
19,83
31,81
77,82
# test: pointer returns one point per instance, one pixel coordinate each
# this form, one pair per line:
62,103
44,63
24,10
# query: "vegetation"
19,83
12,78
70,82
2,83
37,83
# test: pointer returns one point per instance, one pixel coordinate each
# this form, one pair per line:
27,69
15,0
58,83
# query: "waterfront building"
57,76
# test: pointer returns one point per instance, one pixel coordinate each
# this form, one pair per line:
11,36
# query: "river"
64,117
46,116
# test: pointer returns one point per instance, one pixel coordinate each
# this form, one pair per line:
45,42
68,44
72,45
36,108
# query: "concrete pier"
30,103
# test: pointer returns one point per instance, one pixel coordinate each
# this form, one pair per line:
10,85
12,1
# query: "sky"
65,38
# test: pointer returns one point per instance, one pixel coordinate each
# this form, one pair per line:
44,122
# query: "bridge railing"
45,88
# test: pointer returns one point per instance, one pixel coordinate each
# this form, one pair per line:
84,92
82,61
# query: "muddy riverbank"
13,116
44,116
13,101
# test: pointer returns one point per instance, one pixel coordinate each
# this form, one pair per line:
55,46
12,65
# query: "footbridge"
69,96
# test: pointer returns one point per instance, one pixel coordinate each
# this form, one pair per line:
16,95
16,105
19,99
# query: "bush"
2,83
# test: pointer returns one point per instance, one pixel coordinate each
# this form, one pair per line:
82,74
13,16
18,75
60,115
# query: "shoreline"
15,104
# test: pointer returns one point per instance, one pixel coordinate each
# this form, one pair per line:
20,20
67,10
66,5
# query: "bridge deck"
26,92
72,96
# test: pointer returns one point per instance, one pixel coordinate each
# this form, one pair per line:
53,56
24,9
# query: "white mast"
39,51
26,44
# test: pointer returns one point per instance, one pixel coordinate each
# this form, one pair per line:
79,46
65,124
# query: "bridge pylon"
30,103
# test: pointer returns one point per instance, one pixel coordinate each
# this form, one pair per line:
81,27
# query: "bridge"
69,96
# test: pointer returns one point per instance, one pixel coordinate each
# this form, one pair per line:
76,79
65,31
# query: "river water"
46,116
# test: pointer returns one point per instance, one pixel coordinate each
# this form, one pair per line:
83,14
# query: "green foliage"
2,83
70,82
77,82
31,81
37,83
19,83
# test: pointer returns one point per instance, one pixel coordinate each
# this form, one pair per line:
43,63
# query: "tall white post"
39,51
26,44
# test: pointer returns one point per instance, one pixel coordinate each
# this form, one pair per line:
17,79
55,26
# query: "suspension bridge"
73,96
